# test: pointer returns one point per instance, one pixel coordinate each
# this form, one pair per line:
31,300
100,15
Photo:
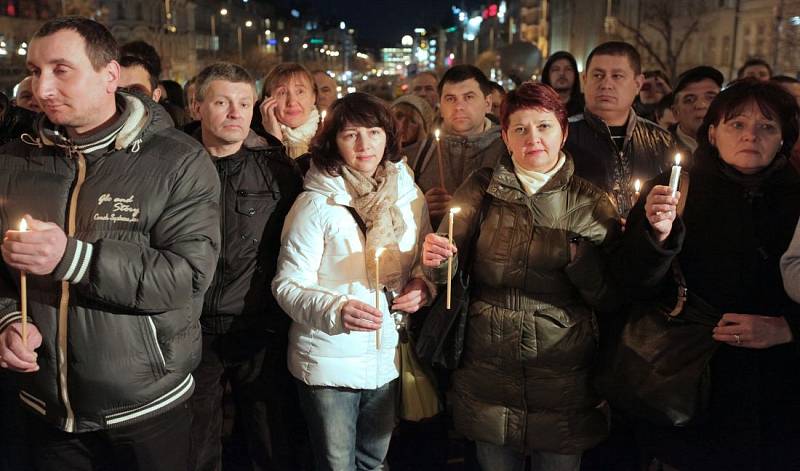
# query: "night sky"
381,23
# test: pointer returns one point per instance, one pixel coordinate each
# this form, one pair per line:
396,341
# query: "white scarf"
534,181
298,139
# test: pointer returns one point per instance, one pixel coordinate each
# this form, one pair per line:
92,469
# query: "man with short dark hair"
326,89
140,67
611,146
469,140
756,68
696,89
244,331
122,240
561,72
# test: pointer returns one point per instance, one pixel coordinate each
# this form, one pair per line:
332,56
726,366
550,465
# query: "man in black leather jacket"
612,147
244,330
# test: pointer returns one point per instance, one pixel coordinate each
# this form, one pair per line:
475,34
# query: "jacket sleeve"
640,263
418,270
296,286
9,298
178,264
790,267
589,272
468,198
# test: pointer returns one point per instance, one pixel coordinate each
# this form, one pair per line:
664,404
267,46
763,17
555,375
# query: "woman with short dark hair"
358,203
741,209
524,384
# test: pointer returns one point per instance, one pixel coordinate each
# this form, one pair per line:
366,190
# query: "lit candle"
322,116
378,293
437,133
23,292
637,188
453,212
675,176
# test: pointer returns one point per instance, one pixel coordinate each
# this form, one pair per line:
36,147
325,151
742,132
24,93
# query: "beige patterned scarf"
375,200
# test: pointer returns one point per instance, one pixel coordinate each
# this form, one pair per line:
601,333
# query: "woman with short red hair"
523,387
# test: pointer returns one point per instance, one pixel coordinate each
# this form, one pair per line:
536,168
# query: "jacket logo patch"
117,209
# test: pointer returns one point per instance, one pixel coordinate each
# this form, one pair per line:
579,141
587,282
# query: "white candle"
637,188
675,176
378,293
436,134
453,212
23,292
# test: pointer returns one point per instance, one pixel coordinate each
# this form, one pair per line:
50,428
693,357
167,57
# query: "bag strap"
677,272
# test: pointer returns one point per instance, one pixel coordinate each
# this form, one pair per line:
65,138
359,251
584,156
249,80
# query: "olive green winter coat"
531,333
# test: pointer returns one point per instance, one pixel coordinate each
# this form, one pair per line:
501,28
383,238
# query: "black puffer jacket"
119,316
259,186
644,155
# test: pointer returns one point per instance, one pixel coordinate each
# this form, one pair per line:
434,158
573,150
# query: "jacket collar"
334,188
597,123
505,185
140,117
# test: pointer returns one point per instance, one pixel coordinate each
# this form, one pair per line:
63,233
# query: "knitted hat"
419,104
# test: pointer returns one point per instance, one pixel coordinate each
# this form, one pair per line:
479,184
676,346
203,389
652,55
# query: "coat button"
244,236
251,211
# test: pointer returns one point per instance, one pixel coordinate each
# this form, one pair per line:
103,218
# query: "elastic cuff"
9,319
74,265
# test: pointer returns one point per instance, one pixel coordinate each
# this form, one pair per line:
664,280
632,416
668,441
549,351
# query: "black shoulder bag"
440,341
657,369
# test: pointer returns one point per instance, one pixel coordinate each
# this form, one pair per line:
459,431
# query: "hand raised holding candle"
14,354
660,209
37,250
436,249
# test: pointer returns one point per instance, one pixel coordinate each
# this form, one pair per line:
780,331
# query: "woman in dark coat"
523,388
742,205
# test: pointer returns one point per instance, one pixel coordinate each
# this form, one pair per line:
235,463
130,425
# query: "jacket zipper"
154,332
63,310
221,262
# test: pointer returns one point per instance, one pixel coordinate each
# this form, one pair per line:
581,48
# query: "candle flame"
678,158
379,252
437,133
455,210
637,185
23,225
324,113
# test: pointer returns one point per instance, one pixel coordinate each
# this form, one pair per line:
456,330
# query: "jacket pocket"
251,203
155,354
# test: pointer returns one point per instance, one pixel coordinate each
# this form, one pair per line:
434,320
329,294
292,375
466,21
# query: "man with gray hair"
244,331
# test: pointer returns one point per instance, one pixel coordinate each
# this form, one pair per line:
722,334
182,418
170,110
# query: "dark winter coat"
532,336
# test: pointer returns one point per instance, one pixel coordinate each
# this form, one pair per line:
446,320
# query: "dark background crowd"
201,264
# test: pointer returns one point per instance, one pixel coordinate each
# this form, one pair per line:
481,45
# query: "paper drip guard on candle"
23,292
675,176
378,254
453,212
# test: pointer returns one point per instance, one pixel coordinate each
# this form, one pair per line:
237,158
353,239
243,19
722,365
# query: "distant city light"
407,40
420,31
295,13
223,11
22,51
305,46
342,25
286,39
248,23
795,20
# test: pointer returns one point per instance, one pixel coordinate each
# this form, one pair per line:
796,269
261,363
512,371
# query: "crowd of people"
179,259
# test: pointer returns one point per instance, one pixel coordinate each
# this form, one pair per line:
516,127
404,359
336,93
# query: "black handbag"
440,340
657,368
